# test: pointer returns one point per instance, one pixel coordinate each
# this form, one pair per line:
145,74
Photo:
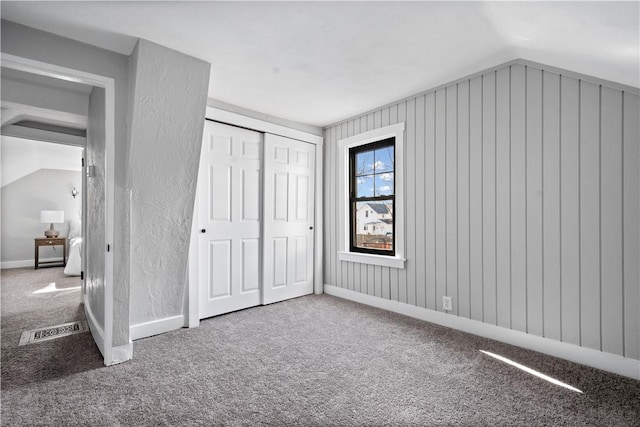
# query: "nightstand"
54,241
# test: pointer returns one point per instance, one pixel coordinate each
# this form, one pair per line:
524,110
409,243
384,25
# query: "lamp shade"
51,217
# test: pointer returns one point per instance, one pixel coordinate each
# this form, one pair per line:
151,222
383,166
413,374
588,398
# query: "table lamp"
51,217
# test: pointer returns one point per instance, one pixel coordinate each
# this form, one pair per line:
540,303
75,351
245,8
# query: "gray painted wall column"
168,105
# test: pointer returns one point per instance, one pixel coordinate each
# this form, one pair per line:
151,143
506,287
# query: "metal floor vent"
53,332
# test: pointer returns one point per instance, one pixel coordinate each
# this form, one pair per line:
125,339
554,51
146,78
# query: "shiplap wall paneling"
343,266
429,200
463,246
589,219
451,194
401,283
503,199
394,274
330,199
533,168
411,213
521,203
327,203
611,220
421,203
476,273
489,199
440,201
631,213
570,210
517,203
551,204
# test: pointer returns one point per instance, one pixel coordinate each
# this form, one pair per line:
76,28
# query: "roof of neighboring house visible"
387,221
379,208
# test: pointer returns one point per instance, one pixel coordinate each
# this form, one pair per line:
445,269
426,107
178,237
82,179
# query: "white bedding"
74,261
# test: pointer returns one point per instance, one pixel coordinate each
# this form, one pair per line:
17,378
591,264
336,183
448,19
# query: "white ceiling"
21,157
320,62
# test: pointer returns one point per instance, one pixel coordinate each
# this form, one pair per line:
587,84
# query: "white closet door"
288,218
230,203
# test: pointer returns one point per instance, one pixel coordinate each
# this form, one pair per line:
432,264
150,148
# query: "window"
371,189
371,220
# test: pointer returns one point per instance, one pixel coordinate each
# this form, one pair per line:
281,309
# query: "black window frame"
353,200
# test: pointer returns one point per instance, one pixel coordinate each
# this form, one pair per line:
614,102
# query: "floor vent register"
53,332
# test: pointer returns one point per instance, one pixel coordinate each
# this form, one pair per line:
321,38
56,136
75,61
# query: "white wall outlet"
447,304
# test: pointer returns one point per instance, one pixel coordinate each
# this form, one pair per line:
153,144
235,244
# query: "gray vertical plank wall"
522,199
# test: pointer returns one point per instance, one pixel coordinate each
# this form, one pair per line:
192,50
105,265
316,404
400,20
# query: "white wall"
522,203
23,92
22,201
95,239
169,95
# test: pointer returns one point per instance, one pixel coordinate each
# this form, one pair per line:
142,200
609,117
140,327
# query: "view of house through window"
372,197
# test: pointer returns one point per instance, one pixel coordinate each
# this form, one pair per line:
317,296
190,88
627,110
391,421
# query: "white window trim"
344,254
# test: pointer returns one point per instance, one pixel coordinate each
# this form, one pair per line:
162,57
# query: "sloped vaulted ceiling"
320,62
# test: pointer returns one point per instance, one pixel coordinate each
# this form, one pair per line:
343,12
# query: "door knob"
204,230
311,228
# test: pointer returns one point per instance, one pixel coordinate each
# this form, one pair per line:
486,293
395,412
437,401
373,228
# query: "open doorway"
41,261
44,127
41,181
48,119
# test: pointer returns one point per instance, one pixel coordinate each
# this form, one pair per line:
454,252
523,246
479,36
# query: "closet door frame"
192,315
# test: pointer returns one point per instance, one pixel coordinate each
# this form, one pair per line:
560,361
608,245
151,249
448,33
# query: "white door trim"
104,339
236,119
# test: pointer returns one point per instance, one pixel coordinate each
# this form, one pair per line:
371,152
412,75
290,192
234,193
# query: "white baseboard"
155,327
121,353
25,263
96,331
585,356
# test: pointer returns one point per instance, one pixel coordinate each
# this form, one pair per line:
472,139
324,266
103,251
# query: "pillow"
75,228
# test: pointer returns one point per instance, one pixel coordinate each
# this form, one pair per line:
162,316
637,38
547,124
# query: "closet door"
230,203
288,218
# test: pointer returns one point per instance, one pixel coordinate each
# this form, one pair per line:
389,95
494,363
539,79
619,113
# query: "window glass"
372,197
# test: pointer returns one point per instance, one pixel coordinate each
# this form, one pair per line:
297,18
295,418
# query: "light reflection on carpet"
52,287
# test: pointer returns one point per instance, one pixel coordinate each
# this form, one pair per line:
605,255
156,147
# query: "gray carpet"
311,361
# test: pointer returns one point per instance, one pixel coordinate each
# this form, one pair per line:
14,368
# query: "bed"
74,261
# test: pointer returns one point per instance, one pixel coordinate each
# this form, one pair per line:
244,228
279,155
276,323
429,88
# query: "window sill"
381,260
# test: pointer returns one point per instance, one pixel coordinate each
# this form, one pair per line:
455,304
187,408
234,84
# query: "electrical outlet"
447,304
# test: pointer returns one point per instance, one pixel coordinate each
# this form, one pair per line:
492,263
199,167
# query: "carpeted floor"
311,361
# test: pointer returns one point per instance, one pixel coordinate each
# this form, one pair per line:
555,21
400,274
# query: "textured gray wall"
95,197
22,201
522,203
167,120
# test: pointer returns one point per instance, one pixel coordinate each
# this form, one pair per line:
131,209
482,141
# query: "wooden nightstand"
54,241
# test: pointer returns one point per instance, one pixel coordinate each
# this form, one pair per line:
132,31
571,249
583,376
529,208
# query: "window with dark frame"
372,197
